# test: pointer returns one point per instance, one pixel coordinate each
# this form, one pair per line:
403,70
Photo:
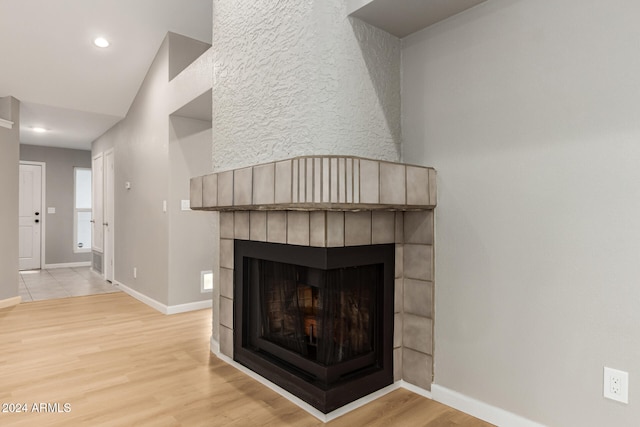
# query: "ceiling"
67,85
404,17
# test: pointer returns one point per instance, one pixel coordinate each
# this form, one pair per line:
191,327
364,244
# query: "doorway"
31,217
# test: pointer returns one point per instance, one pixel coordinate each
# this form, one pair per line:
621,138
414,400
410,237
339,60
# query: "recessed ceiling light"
101,42
39,130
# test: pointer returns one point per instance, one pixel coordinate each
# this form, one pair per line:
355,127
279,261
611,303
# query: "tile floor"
37,285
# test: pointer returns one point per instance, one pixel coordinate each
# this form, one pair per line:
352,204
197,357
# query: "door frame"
109,216
43,208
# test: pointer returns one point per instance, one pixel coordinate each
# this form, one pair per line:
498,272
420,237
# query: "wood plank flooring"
116,362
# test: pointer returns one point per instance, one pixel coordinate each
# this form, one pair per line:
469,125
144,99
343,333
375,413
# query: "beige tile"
210,190
433,196
418,227
335,229
383,227
226,283
397,330
298,228
357,228
326,180
226,341
417,333
369,181
399,227
399,272
295,180
349,180
225,188
398,295
317,229
258,225
195,192
417,368
418,297
226,312
333,180
226,225
392,184
397,364
243,186
356,180
309,180
277,227
241,225
226,253
417,186
418,261
264,184
317,180
342,180
283,182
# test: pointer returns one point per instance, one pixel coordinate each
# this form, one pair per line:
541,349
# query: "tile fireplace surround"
334,201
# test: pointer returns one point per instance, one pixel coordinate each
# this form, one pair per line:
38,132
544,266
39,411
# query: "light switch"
51,210
185,205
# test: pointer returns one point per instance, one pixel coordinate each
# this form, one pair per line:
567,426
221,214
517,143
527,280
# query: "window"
82,210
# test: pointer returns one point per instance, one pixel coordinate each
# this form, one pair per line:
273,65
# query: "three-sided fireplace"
318,322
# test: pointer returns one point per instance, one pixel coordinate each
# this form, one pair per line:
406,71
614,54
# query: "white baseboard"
325,418
190,306
10,302
478,409
67,265
214,346
415,389
162,308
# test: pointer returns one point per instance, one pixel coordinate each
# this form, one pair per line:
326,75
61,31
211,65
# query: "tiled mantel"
317,183
330,201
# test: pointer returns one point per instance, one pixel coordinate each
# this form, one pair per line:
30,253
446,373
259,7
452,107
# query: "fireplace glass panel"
326,316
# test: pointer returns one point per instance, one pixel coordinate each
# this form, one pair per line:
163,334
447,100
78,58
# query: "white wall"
297,78
529,110
191,233
143,157
9,180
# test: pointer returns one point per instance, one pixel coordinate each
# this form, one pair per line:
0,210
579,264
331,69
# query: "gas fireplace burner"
318,322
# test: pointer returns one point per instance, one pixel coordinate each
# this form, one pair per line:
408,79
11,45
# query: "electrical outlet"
616,385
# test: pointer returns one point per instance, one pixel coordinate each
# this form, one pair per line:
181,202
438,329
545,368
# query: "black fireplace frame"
295,379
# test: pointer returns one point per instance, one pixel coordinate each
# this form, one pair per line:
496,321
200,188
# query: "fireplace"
318,209
316,321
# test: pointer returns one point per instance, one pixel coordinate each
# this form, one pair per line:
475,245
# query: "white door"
30,208
97,218
109,214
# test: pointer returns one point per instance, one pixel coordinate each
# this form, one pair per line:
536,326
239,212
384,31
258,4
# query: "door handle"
37,213
92,222
105,224
37,221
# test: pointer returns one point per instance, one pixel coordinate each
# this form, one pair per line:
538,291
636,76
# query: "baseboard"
214,346
415,389
10,302
67,265
478,409
163,308
325,418
190,306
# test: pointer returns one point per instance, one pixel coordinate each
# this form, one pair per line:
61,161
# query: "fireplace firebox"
318,322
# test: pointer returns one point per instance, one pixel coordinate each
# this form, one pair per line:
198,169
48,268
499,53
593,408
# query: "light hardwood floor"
117,362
